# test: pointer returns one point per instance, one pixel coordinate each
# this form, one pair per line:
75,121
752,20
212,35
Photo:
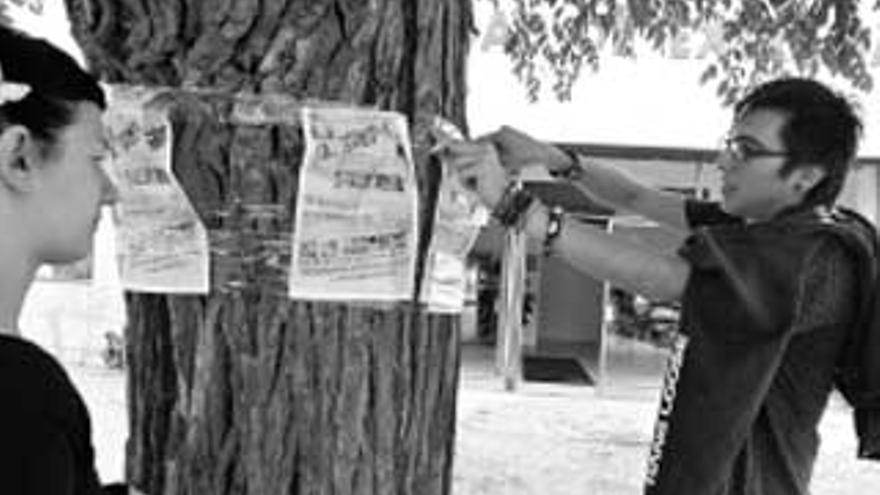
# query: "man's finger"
486,138
468,172
459,148
495,137
466,163
468,160
469,178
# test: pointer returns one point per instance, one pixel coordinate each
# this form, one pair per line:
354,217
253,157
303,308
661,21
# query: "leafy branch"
749,41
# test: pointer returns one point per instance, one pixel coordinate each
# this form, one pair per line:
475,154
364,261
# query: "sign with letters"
355,234
163,246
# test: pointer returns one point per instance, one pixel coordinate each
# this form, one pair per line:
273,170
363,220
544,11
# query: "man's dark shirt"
764,316
45,434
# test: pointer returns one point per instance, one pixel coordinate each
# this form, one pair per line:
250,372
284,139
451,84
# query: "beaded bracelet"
555,218
513,203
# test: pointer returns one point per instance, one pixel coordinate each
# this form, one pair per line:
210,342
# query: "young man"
769,281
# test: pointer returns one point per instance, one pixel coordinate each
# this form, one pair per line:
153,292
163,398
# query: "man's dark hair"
56,80
821,129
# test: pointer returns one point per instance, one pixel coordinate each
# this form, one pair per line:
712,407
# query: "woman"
52,187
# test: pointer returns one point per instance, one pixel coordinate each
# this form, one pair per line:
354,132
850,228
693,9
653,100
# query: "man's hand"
478,167
518,150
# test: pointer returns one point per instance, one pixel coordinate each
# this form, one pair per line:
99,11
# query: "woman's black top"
45,433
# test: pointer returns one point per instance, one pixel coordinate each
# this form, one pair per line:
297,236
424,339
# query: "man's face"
752,186
73,187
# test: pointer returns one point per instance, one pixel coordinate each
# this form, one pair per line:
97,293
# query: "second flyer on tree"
355,234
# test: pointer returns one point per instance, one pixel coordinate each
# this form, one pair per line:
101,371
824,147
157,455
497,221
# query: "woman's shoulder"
23,355
31,380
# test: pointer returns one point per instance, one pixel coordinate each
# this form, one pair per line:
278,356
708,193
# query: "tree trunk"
244,391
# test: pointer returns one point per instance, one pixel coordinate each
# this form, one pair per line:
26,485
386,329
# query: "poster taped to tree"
459,216
355,234
457,222
163,246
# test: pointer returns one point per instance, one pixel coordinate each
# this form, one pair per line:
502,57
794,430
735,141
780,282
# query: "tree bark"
244,391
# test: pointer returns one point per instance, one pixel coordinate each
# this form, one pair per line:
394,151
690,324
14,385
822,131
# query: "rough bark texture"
243,391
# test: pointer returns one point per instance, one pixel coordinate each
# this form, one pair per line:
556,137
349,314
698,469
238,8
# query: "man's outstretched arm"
603,255
607,185
610,257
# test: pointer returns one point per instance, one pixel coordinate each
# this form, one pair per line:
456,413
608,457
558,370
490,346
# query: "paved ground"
546,439
567,439
543,439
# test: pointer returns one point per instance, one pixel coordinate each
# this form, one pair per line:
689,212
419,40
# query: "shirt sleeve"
828,289
705,213
743,282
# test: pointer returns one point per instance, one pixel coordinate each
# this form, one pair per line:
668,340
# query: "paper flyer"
459,216
355,235
458,219
163,246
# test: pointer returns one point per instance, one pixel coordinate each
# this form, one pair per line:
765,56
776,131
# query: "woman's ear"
17,170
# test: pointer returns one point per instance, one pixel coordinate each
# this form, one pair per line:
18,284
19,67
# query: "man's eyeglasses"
742,151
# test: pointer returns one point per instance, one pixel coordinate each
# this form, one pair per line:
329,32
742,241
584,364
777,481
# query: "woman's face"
72,188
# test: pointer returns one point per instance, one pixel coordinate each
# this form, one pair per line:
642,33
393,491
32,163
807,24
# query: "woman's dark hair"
56,80
821,128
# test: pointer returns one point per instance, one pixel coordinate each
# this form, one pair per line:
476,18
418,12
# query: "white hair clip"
11,92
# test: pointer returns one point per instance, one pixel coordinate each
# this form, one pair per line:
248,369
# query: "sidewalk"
543,439
548,439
